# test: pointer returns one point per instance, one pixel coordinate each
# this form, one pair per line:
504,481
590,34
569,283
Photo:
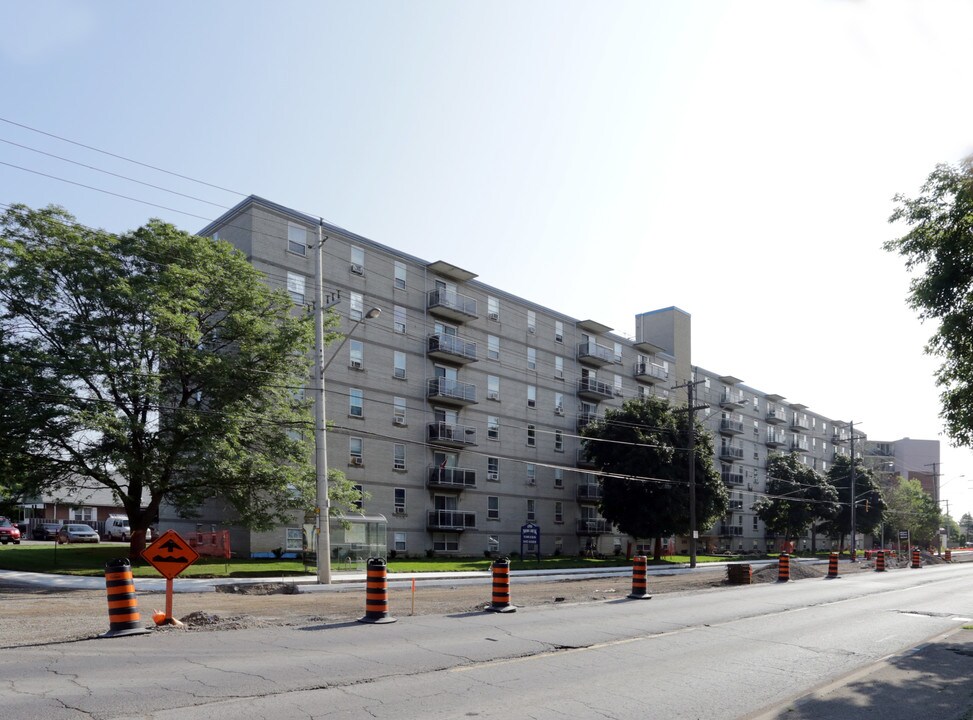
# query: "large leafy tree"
870,506
939,247
911,508
966,526
643,450
797,497
156,364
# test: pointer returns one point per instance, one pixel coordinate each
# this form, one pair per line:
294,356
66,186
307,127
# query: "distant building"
458,408
907,458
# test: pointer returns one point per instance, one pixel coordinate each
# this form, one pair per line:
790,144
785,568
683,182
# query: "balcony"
451,392
731,452
732,478
585,419
732,399
589,493
594,390
799,423
775,416
650,372
731,426
451,435
775,438
582,461
730,531
591,353
799,445
451,305
450,520
451,348
450,478
839,439
595,526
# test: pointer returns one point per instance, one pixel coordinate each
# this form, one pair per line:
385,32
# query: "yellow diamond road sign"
170,554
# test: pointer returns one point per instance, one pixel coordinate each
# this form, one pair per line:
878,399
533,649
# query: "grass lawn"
91,560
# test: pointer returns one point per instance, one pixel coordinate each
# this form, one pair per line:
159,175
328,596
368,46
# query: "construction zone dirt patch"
259,589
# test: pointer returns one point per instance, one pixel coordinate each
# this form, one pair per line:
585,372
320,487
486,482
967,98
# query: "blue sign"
530,533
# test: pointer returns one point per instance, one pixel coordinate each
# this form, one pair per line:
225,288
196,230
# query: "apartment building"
907,458
457,408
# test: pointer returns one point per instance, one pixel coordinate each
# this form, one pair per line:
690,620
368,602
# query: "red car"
9,532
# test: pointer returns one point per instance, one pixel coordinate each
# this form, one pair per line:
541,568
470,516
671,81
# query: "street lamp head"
373,313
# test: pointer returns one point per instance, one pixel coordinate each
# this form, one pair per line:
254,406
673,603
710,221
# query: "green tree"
869,508
966,525
155,363
643,448
797,497
939,246
911,508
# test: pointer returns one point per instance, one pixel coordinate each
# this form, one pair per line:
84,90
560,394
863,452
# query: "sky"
736,159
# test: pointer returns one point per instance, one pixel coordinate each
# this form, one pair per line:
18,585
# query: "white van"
117,528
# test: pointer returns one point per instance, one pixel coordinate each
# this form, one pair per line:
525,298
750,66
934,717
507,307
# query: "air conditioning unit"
399,373
357,460
357,269
530,330
493,396
356,364
398,420
618,393
493,476
495,316
559,410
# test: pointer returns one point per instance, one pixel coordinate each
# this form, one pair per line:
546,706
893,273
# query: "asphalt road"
731,653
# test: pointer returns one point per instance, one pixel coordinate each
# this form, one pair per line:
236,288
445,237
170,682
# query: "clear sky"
735,159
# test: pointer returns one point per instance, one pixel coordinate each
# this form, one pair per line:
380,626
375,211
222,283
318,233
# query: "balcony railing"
731,531
453,391
444,433
732,478
594,354
731,426
597,526
592,389
582,461
589,493
838,439
650,372
732,398
451,478
775,416
775,439
451,304
450,520
731,452
585,419
451,348
799,445
799,423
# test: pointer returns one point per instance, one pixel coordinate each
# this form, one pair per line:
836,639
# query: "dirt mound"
203,621
799,571
260,589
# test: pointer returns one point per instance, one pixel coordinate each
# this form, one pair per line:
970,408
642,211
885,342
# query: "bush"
430,553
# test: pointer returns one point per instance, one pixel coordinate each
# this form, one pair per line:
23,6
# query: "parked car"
45,531
77,534
9,532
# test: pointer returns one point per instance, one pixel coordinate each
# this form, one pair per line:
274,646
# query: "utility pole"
935,479
691,413
852,479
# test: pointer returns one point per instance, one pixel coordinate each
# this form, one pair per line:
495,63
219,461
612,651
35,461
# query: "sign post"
530,533
170,555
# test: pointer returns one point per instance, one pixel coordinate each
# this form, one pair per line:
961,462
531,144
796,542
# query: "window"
295,287
493,427
356,402
493,507
493,543
618,352
559,512
357,260
531,436
398,410
558,403
493,347
558,478
399,280
445,543
531,513
493,468
355,448
531,474
558,331
493,309
755,522
398,456
356,354
558,441
356,306
398,364
296,239
360,494
398,320
531,396
531,322
618,385
294,540
532,358
399,500
493,387
82,514
399,541
559,368
558,545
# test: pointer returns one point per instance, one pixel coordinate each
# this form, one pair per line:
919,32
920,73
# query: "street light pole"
322,504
